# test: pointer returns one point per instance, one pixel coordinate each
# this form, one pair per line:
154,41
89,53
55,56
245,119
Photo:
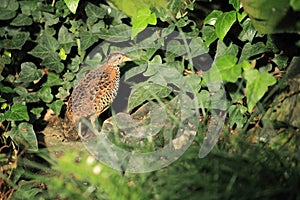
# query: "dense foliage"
44,43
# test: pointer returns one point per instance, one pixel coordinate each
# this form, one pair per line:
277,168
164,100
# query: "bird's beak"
125,59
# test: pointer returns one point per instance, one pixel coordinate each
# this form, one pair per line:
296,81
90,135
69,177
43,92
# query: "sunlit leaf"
228,68
257,86
224,23
72,5
141,20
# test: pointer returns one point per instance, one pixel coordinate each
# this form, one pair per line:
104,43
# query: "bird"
93,94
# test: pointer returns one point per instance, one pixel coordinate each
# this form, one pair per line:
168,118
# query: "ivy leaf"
72,5
118,33
29,73
252,50
50,19
74,66
176,48
37,111
53,79
19,40
87,39
248,32
228,68
52,61
222,49
130,7
224,23
142,19
8,9
94,13
56,106
295,4
18,112
45,94
212,18
25,135
209,35
66,39
21,20
280,60
197,47
236,115
46,45
62,93
257,86
236,4
16,42
146,91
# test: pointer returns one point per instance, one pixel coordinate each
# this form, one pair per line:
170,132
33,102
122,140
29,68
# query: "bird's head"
115,59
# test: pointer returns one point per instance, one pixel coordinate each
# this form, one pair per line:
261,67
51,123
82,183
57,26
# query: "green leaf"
62,93
280,61
224,23
87,39
37,111
94,12
118,33
8,9
45,94
197,47
16,42
52,61
295,4
66,39
145,92
21,20
176,48
228,68
29,73
236,4
222,49
270,16
212,18
236,115
250,50
53,79
72,5
28,7
56,106
50,19
141,21
25,135
248,32
74,66
46,45
257,86
5,89
18,112
209,35
203,99
62,54
130,7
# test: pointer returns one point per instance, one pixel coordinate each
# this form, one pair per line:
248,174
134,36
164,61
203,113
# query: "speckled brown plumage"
95,92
